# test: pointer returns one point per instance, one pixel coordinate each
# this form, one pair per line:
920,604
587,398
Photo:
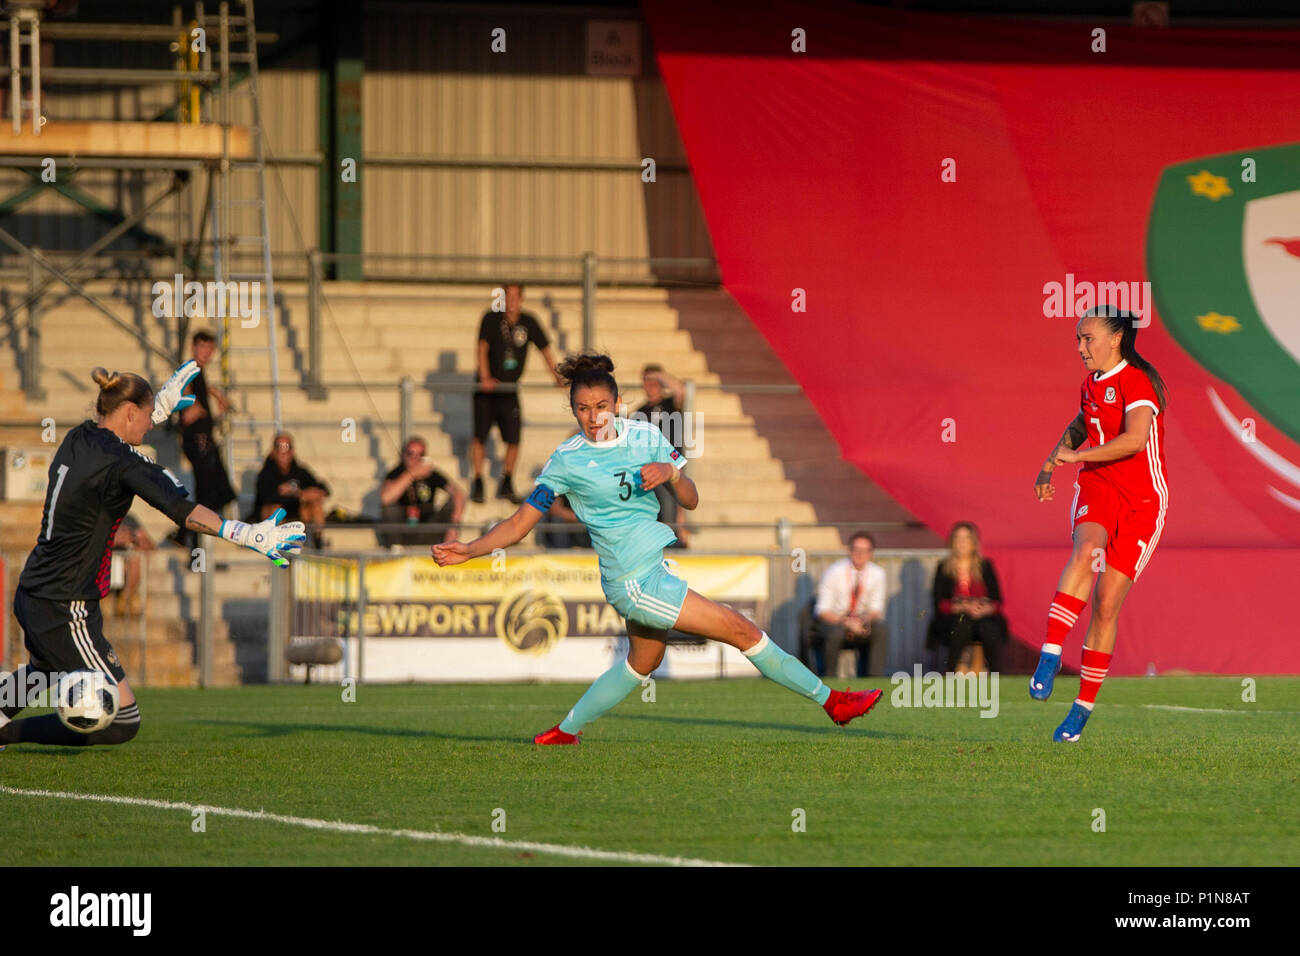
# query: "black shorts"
64,636
501,410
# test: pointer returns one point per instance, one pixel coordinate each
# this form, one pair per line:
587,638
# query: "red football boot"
844,706
557,736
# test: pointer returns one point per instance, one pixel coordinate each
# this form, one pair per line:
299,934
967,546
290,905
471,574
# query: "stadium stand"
378,333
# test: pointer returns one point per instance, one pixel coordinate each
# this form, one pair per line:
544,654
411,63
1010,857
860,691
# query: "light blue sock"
602,696
775,664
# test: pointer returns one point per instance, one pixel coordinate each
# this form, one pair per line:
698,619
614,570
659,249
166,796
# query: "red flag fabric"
891,206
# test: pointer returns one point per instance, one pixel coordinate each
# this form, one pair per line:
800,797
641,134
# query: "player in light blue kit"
608,472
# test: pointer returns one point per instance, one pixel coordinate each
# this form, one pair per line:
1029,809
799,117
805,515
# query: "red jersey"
1140,478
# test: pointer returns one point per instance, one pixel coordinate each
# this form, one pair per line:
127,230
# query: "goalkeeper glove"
169,398
266,538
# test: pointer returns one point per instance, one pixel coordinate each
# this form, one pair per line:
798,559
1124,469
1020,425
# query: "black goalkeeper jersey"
93,480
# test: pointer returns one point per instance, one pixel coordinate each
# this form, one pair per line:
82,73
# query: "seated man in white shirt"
851,608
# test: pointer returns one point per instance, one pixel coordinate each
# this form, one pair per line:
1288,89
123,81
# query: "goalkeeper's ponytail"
117,388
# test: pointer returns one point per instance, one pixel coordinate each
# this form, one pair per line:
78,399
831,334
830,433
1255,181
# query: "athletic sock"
776,665
1092,671
13,693
602,696
1061,616
48,729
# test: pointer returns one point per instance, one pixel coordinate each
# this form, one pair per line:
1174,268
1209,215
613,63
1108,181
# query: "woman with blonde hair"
967,599
95,476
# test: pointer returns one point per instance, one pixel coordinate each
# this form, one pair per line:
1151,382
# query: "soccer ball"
88,700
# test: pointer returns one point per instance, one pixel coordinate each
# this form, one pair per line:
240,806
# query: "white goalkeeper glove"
266,538
169,398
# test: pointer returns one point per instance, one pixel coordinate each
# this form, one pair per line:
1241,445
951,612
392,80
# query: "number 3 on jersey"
624,487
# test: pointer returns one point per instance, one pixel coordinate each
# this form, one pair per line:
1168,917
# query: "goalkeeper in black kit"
95,476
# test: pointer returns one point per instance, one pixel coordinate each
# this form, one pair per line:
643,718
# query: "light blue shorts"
654,599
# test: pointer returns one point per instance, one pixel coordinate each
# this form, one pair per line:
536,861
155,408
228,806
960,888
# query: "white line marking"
1213,710
495,843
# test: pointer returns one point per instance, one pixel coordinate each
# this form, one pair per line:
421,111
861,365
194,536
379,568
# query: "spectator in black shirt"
409,494
503,339
284,483
661,408
211,483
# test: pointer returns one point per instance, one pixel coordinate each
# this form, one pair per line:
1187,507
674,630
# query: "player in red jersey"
1120,500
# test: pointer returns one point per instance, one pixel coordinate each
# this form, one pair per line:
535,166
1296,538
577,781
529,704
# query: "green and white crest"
1223,253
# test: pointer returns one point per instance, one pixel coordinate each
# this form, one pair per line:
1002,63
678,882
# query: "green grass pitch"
708,771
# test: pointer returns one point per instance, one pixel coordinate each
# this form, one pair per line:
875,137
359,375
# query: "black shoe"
476,491
506,490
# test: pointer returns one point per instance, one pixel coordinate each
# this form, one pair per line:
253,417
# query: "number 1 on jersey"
54,500
1101,437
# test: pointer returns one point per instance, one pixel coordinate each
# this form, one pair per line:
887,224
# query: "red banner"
892,208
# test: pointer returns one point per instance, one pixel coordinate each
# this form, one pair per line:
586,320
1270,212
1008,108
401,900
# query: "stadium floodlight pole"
588,300
205,626
361,619
276,630
406,407
314,388
142,626
15,75
32,355
4,616
35,41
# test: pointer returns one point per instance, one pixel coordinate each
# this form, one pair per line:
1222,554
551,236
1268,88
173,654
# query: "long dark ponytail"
1126,324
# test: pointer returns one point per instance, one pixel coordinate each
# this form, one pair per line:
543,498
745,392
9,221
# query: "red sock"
1061,616
1092,671
829,706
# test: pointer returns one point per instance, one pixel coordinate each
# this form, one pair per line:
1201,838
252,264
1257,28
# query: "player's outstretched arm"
277,541
503,535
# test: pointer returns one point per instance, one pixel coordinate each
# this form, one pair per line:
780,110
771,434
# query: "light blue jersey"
602,481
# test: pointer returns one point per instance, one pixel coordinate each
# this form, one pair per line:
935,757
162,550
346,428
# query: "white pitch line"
338,826
1214,710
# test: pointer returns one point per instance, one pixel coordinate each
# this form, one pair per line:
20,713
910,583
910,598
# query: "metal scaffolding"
197,144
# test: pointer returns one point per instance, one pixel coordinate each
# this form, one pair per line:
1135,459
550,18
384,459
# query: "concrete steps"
164,655
764,457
